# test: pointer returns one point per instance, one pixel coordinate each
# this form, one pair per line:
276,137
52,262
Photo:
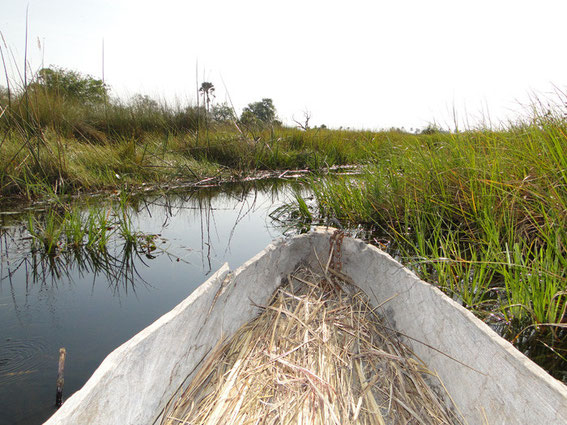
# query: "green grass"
89,239
70,227
55,144
50,162
479,213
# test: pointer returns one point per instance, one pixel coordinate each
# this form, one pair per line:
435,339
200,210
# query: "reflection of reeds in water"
102,238
204,203
118,269
67,228
70,240
318,354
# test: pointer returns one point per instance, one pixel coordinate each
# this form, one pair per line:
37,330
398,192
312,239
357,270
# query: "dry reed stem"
316,355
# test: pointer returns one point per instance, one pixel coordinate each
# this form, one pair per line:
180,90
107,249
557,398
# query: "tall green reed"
479,213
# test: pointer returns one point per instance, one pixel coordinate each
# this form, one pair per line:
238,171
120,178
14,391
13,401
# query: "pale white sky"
363,64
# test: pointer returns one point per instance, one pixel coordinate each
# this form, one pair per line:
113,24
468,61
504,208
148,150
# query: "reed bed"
59,142
481,214
318,354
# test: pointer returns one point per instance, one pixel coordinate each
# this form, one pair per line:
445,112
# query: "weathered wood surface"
489,380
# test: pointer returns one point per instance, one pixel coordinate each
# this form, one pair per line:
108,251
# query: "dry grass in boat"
318,354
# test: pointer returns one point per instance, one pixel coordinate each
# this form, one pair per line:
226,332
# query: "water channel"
90,305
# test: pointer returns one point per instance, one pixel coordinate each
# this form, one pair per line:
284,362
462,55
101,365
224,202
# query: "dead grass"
318,354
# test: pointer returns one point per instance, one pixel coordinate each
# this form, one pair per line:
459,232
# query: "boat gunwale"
223,308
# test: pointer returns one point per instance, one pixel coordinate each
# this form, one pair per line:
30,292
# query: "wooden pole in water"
60,380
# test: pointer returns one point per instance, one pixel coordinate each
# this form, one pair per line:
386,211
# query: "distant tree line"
86,91
262,113
76,103
71,84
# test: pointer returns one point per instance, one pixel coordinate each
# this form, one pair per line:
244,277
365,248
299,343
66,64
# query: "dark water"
92,304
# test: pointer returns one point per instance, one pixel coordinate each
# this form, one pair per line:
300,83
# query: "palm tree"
207,90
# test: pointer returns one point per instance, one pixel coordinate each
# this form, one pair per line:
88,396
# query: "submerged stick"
60,379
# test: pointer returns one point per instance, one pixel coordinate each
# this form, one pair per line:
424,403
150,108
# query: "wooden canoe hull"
488,379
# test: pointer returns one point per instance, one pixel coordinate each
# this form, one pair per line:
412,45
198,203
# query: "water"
92,304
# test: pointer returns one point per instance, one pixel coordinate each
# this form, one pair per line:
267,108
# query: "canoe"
488,379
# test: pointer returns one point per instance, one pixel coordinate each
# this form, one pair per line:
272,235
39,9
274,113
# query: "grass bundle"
318,354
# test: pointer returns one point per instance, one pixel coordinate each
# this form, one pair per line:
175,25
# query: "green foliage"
143,103
432,129
258,113
479,213
72,85
87,231
223,113
150,151
39,109
46,233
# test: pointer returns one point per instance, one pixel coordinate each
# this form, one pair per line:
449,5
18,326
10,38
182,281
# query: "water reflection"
92,300
117,266
117,262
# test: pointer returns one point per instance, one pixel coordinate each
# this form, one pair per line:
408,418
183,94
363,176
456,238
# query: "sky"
358,64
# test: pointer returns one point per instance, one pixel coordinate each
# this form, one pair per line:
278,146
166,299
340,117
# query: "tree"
263,112
223,113
305,124
144,103
207,91
72,85
432,129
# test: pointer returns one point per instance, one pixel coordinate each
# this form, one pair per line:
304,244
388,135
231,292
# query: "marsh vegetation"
64,133
481,213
